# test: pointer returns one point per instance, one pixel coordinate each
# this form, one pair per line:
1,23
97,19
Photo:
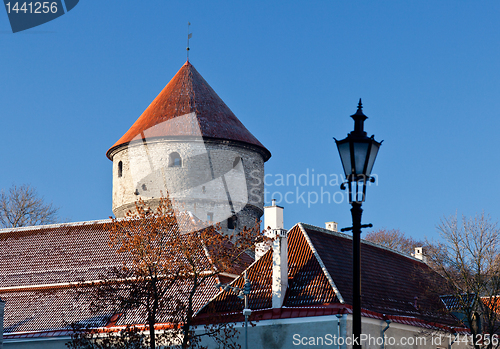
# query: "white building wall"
305,332
38,343
323,332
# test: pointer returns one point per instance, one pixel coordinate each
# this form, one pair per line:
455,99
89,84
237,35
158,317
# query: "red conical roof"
187,93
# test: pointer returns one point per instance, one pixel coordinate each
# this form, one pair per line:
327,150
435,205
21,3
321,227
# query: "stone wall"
212,181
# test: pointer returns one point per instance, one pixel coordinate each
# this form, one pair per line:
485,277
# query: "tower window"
231,222
237,161
120,169
210,217
175,160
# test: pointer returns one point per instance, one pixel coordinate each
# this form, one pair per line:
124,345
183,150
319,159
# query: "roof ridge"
321,264
363,241
54,225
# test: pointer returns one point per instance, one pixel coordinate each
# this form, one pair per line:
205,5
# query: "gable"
307,282
391,283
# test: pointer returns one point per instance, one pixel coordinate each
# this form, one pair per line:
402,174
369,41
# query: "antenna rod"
190,35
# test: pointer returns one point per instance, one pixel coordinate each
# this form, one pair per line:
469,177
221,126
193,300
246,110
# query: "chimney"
280,267
273,218
2,305
419,254
331,226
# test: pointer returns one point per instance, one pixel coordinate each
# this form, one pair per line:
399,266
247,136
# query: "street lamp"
242,294
357,152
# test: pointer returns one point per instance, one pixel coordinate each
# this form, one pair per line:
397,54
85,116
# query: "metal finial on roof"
190,35
360,105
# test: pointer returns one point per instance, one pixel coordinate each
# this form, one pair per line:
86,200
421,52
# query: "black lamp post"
358,153
242,294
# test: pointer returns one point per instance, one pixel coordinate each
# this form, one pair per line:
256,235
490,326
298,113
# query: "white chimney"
273,219
273,223
280,267
273,216
331,226
419,254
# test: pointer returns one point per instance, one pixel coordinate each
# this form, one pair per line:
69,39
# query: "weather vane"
190,35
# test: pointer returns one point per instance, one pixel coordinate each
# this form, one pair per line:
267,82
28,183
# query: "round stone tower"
189,144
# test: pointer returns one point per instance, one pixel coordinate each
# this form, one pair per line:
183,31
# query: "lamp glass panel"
371,159
345,156
360,154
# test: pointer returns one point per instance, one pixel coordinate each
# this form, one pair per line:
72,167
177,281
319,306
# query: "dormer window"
175,160
120,169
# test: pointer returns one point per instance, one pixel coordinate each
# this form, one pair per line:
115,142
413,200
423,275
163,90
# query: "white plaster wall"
318,332
39,343
287,333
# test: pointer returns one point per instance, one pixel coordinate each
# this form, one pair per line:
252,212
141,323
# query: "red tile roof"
391,282
39,264
187,93
307,282
492,302
320,273
56,253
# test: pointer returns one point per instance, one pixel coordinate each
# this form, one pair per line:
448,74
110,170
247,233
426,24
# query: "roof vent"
331,226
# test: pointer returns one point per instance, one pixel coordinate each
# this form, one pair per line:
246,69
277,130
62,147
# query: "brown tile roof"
187,93
38,265
392,283
34,310
56,253
307,282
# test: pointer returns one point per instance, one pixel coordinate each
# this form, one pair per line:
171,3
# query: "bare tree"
468,260
21,206
167,271
394,239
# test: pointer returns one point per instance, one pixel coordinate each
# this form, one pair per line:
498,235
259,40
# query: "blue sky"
428,73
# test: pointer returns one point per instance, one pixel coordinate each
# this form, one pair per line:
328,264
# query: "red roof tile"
187,93
307,282
390,280
39,263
